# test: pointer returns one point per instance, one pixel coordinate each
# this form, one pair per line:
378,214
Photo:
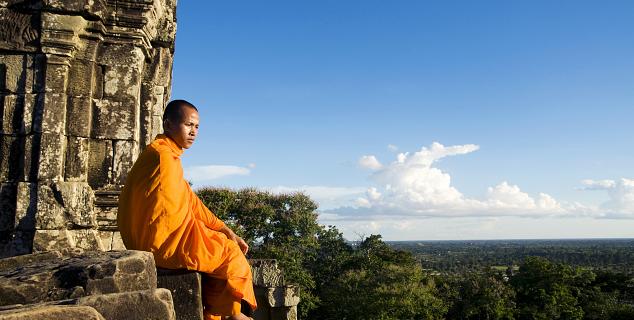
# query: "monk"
159,213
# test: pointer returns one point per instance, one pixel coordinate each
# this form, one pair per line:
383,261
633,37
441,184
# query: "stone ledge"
47,312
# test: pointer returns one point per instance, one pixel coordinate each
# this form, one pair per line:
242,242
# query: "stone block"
26,206
266,273
77,159
16,72
51,156
77,274
56,77
18,30
121,55
111,240
115,120
8,198
106,218
17,113
95,9
137,305
82,78
17,262
79,116
53,111
186,289
159,70
285,296
11,150
100,163
76,199
125,153
46,240
122,83
48,312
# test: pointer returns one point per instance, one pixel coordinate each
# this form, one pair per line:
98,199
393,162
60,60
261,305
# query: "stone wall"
83,84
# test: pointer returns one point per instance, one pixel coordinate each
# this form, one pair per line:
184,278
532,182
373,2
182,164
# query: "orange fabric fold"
159,212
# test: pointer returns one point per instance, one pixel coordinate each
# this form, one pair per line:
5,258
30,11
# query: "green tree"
546,290
380,283
482,296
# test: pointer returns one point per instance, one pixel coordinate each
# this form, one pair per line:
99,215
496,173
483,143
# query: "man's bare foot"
240,316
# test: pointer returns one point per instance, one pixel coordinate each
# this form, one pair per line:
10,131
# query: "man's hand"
244,247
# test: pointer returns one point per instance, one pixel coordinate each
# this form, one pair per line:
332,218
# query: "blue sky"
513,118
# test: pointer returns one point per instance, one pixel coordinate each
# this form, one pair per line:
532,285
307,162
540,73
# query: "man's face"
183,132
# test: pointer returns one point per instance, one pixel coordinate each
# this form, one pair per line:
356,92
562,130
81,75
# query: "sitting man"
158,212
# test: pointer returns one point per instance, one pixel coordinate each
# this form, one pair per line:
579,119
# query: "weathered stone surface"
186,290
76,274
18,31
100,163
48,312
17,111
115,120
286,296
53,114
51,156
17,262
266,273
56,76
82,75
122,83
121,55
125,153
79,117
77,199
152,107
46,240
155,304
77,158
56,206
16,72
26,206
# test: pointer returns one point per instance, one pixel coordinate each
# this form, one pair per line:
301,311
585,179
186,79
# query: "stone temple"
83,85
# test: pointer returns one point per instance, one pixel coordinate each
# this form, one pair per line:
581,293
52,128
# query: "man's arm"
233,236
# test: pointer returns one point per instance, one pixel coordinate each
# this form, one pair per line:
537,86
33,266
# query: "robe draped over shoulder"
159,212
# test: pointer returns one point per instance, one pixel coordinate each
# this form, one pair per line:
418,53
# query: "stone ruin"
83,85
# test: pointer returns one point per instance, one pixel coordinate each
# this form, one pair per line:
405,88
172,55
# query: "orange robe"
158,212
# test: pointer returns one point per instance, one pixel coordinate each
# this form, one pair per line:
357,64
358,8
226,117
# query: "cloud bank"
213,172
412,186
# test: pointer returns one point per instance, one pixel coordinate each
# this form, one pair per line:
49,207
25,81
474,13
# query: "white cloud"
411,186
213,172
392,147
370,162
621,197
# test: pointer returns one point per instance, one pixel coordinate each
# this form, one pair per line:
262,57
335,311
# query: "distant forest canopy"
371,279
473,255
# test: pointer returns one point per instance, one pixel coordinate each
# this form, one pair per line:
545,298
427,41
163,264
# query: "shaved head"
173,111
